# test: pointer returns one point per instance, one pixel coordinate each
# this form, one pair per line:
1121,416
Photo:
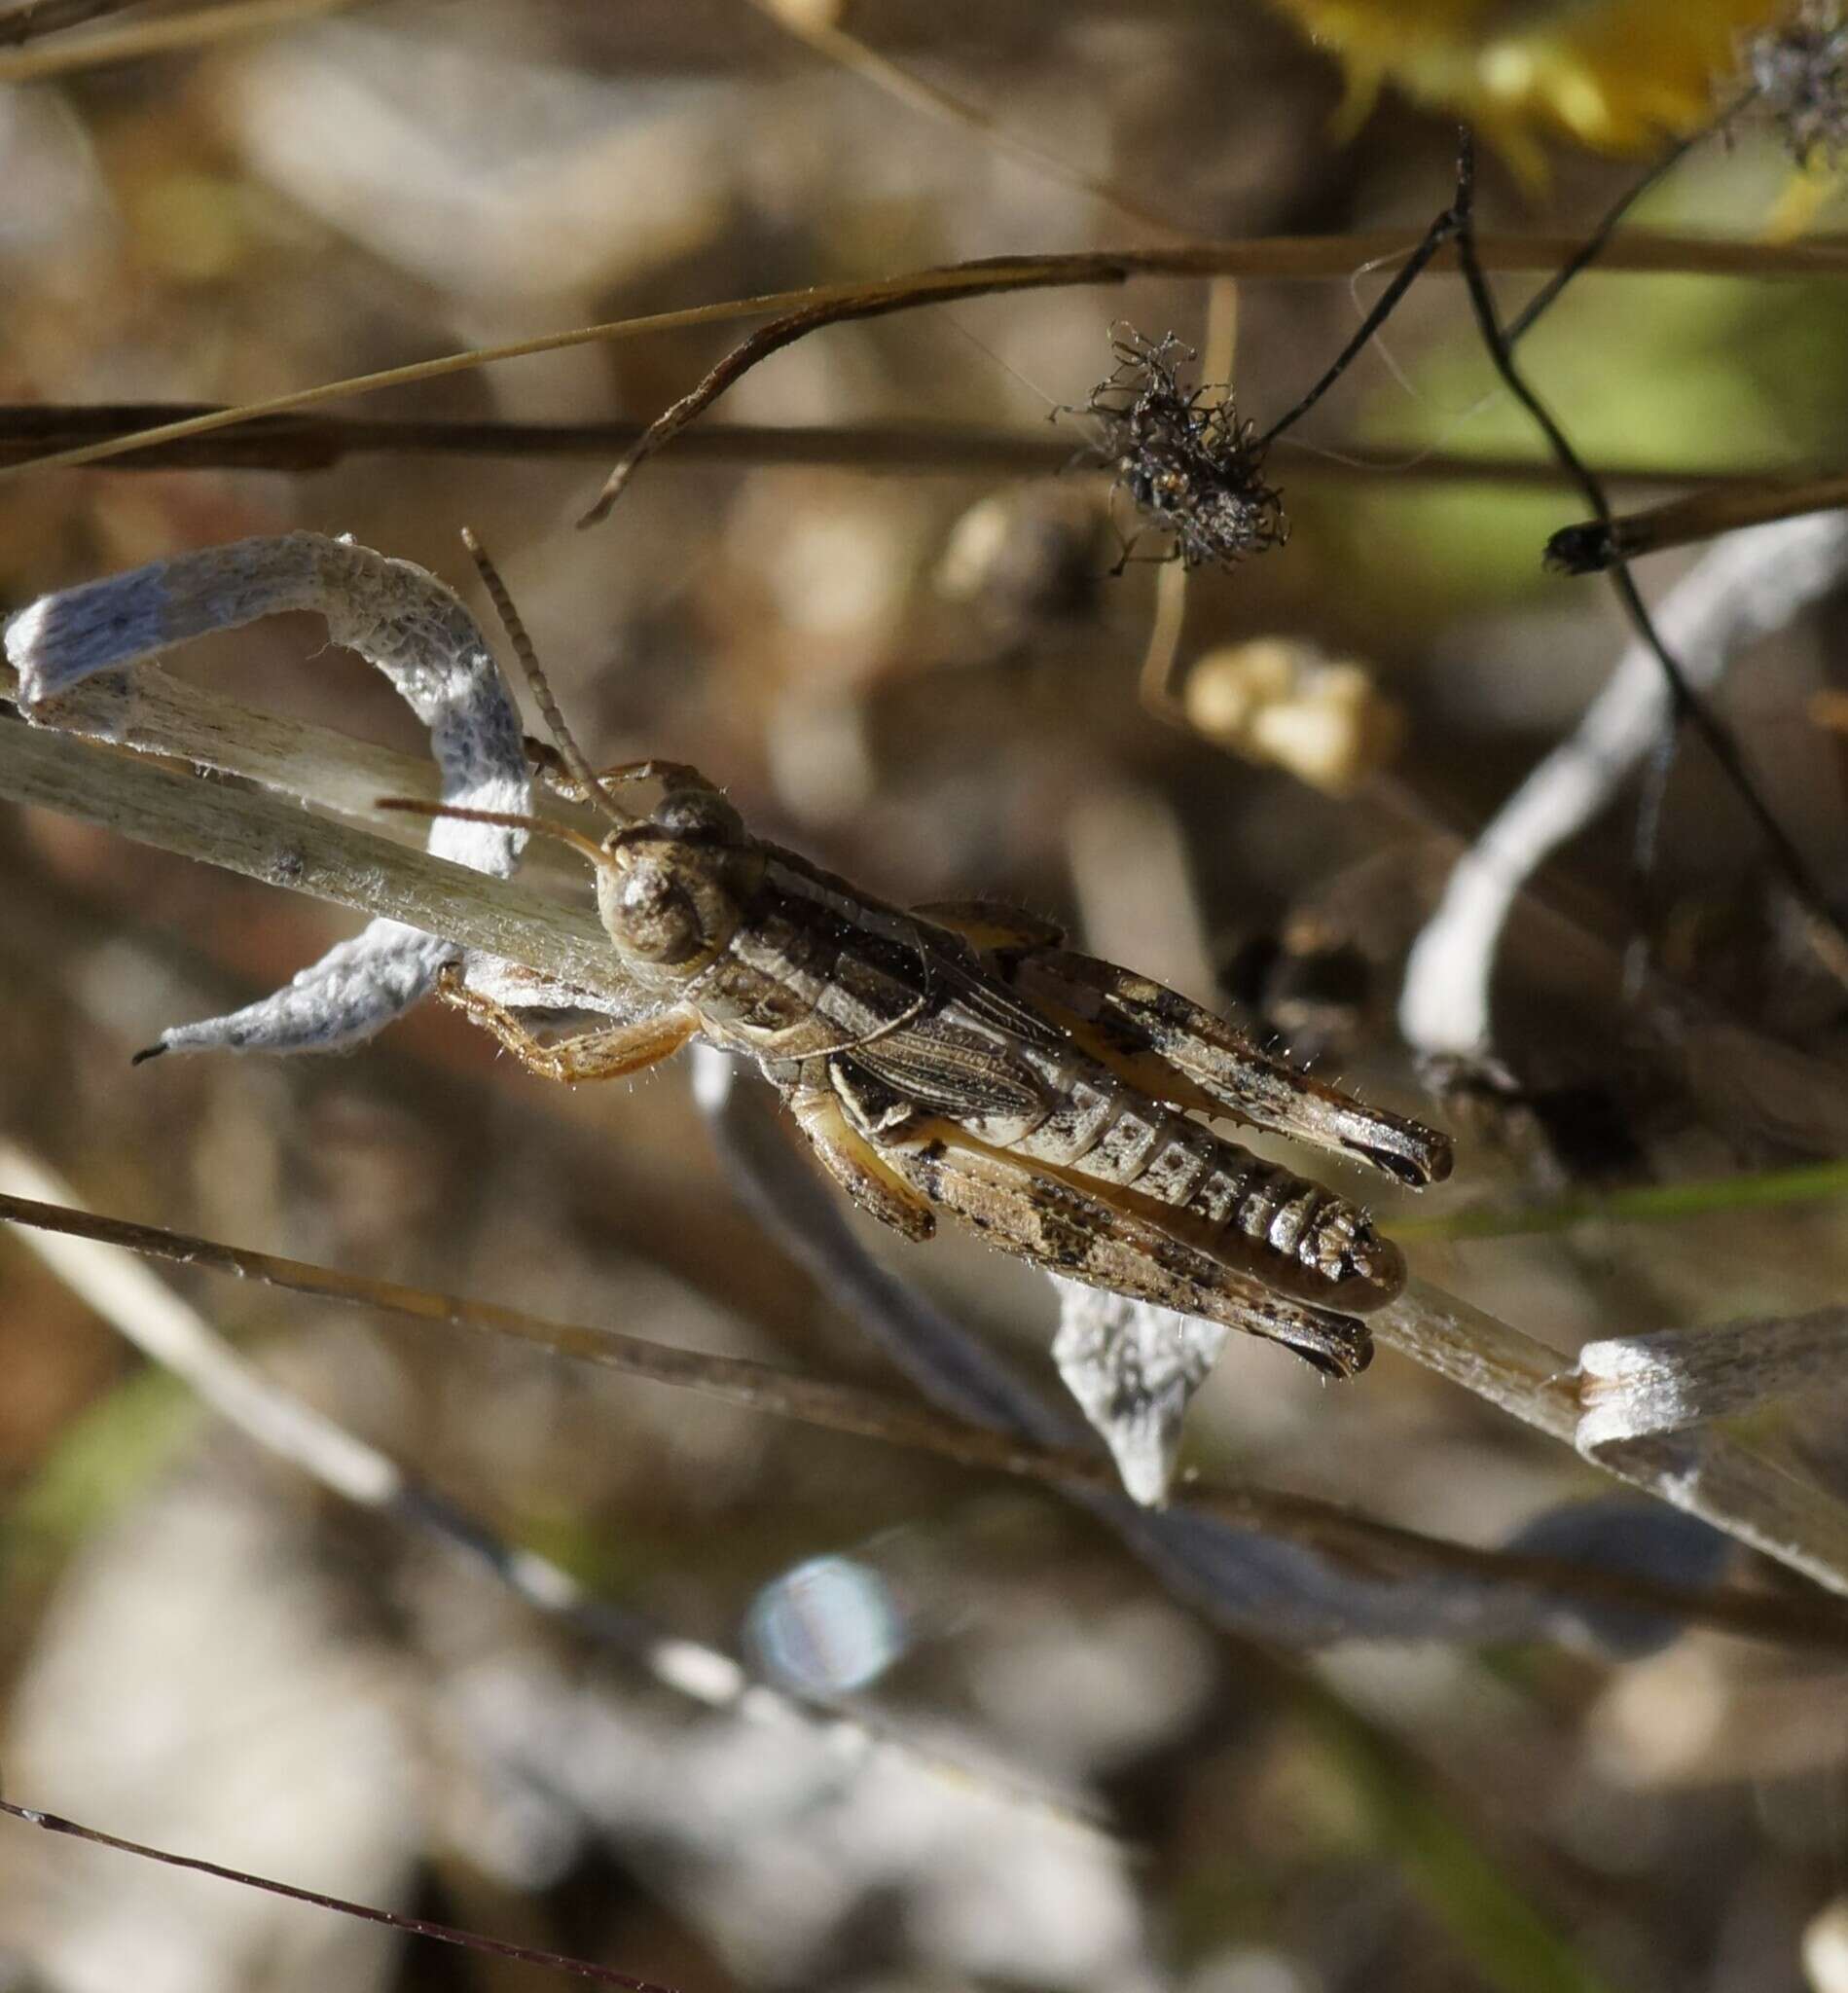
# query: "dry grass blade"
827,39
315,443
264,837
148,1312
1746,1491
1288,258
416,1926
928,287
1381,1549
1592,546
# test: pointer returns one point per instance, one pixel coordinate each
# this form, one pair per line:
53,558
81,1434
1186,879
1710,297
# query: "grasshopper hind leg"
1176,1049
1062,1226
859,1168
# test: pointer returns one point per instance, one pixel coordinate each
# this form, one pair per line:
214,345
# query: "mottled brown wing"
959,1056
949,1068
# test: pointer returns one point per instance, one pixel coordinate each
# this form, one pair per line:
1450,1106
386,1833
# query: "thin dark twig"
1590,546
1686,703
317,442
1383,1551
417,1927
1441,230
1595,245
736,1380
1446,226
766,340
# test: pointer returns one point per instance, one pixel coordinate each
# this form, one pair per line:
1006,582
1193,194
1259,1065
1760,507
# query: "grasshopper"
958,1058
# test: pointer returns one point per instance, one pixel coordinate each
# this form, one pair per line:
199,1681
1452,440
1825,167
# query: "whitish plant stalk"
275,838
1742,590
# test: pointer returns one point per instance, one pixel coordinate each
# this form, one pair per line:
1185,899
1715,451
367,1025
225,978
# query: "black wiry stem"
1594,244
1447,227
1687,705
1436,236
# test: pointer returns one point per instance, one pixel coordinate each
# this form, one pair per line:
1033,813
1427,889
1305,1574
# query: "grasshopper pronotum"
960,1058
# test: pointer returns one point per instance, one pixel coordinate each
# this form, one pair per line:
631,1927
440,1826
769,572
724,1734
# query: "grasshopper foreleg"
590,1054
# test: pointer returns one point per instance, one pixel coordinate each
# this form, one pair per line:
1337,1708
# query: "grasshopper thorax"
671,889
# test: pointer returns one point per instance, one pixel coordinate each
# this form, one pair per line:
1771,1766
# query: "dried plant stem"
157,714
1590,547
919,95
1745,1491
315,443
161,36
1487,1357
1666,1383
1595,245
733,1380
874,301
1738,593
266,838
87,1253
1285,258
1161,656
1456,223
1382,1549
1687,705
263,836
1441,1011
416,1926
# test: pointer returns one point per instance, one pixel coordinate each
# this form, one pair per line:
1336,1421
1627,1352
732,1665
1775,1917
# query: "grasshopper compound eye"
654,916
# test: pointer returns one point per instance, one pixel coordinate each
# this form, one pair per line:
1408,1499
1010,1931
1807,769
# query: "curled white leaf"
398,617
1749,585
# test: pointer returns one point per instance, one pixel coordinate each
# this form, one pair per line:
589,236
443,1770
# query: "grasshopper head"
672,888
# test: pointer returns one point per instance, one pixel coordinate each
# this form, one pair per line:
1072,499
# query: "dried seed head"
1194,470
1801,71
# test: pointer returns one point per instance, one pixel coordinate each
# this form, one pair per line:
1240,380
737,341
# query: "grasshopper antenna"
576,760
505,820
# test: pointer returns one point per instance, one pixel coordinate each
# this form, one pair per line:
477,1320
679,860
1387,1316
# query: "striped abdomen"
1093,1128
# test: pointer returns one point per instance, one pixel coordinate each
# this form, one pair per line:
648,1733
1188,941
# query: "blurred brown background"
928,679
